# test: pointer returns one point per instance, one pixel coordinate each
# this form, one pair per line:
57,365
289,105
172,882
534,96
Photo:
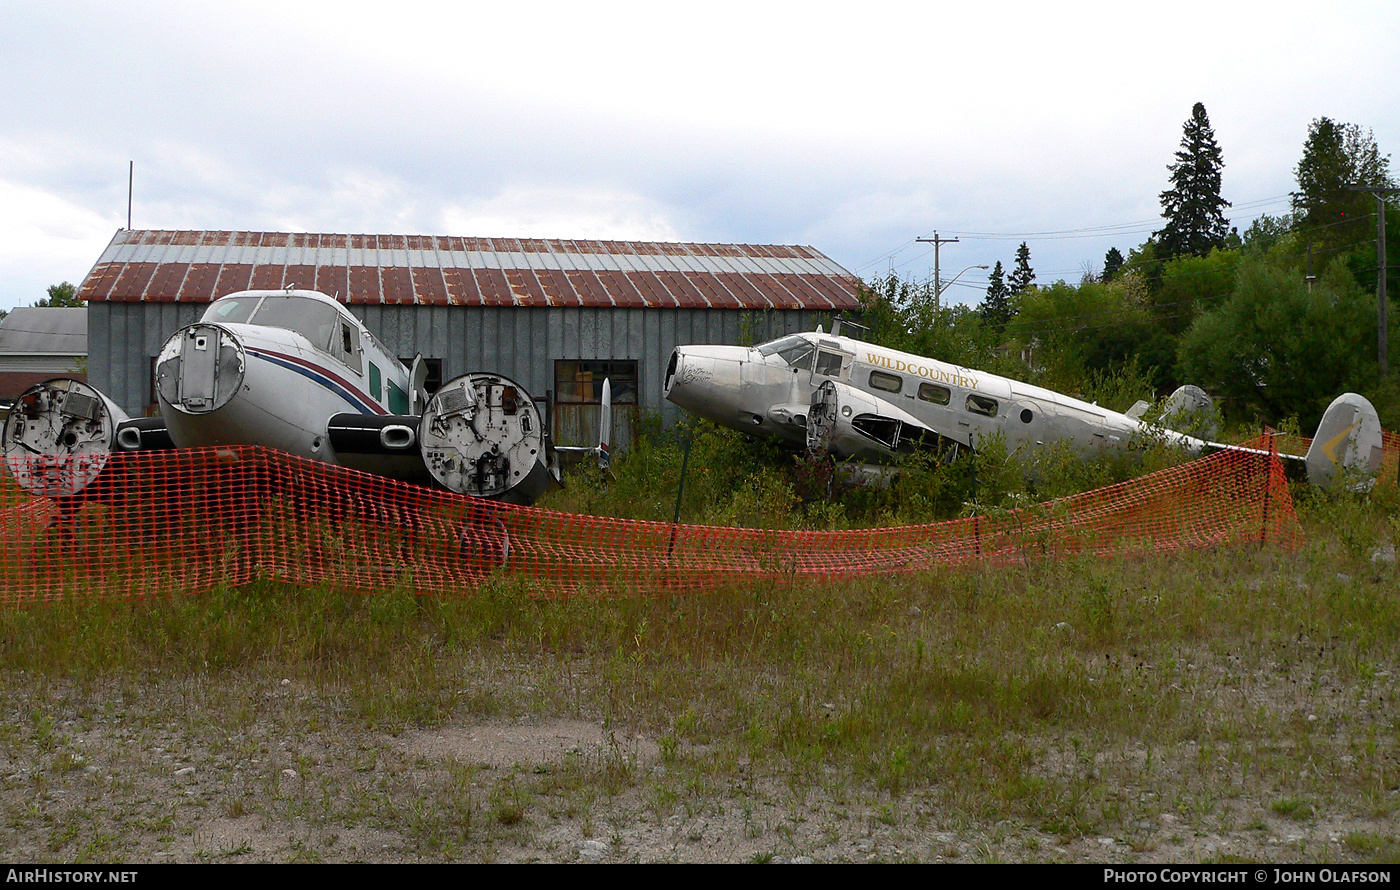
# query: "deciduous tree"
1276,348
63,295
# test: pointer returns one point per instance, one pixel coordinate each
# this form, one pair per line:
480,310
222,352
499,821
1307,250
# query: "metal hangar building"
557,316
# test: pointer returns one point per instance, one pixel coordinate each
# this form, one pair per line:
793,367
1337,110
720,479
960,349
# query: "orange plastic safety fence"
175,522
1287,443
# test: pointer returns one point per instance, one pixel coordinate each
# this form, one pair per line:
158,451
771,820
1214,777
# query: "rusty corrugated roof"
197,267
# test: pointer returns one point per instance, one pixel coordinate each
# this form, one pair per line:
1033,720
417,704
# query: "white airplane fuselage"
295,371
230,379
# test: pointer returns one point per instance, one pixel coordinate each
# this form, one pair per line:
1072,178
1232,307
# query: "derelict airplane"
296,371
850,399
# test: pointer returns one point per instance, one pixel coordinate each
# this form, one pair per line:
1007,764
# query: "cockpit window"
795,351
314,320
231,310
798,355
780,344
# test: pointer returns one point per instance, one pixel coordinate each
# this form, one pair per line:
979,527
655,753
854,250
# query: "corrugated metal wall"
519,342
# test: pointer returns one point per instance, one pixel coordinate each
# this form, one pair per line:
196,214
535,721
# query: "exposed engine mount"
58,436
482,435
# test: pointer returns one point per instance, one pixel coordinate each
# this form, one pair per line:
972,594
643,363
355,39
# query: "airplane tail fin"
1348,447
605,427
1190,410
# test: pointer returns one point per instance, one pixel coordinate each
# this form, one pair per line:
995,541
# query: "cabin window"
932,392
829,364
348,347
398,399
982,405
886,382
374,381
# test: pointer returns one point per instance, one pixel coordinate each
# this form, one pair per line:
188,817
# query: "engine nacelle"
58,436
482,435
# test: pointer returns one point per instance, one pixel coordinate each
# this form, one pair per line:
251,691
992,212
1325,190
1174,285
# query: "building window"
434,380
581,382
578,397
152,400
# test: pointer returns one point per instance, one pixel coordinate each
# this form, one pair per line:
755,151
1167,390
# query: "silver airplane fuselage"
862,401
770,389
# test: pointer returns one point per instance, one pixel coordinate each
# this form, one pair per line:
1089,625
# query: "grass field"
1238,704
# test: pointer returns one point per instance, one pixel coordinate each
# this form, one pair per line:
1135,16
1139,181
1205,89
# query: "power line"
1107,230
1312,230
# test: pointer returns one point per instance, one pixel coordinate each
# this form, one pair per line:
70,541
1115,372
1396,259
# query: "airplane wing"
480,434
379,434
386,444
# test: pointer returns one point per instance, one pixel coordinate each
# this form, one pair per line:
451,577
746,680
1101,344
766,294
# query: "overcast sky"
854,128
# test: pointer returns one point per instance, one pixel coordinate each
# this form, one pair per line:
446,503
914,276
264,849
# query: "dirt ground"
210,770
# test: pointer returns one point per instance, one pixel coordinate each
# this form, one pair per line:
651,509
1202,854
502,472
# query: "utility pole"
937,284
1382,346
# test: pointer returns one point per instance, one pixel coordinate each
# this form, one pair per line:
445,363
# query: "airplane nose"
671,368
706,380
200,369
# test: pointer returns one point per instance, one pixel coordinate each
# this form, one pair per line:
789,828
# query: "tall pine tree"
1193,207
1022,277
996,308
1112,262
